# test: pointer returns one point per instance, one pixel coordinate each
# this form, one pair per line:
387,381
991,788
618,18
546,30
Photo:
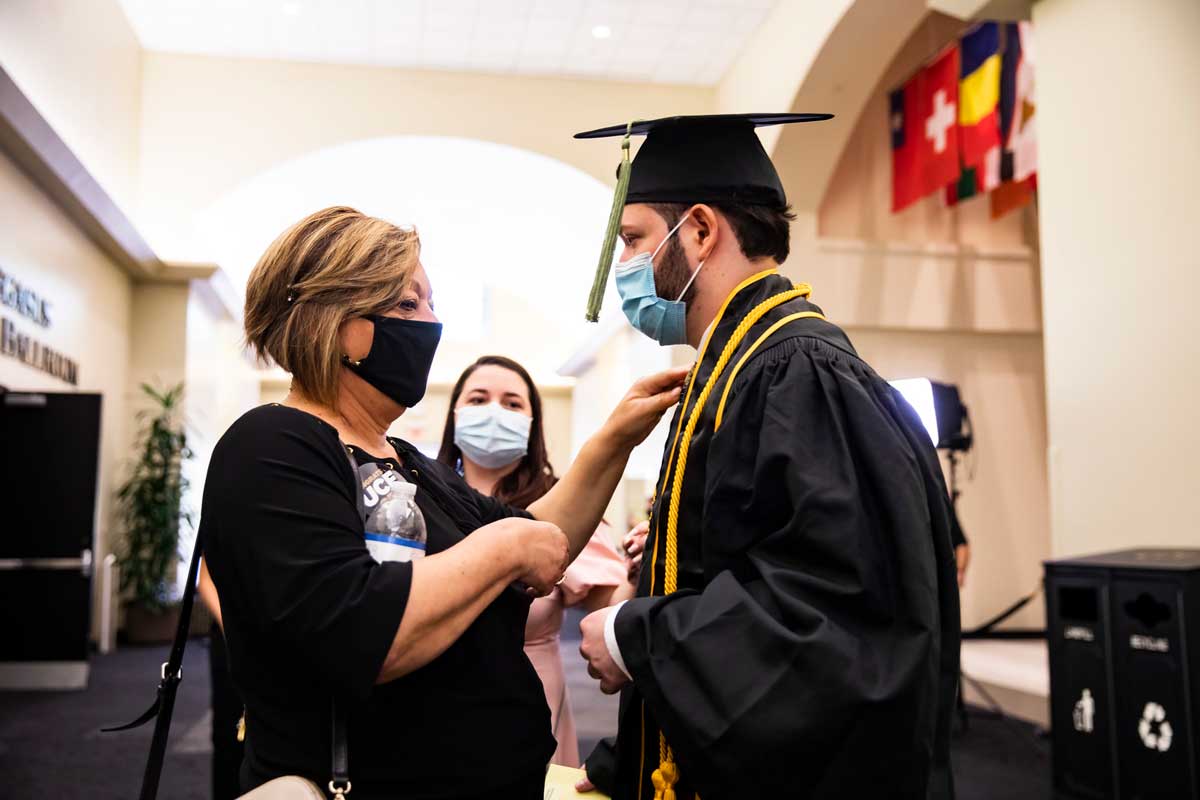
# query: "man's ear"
707,229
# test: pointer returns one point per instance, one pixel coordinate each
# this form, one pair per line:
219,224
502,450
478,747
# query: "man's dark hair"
760,230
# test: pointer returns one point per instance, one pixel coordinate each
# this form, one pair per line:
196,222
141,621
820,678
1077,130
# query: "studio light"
941,411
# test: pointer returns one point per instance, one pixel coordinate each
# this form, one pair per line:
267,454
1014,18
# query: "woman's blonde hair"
334,265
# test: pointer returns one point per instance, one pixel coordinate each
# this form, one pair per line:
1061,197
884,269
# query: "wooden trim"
27,138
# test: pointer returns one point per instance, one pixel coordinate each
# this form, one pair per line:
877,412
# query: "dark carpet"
51,747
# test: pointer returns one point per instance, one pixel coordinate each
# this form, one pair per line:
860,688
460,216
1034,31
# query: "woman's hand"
539,549
577,502
451,589
634,544
642,407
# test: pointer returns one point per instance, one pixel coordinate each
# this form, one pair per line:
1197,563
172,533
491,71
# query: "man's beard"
673,272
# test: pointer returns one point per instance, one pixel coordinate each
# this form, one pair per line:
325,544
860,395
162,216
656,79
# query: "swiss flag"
924,119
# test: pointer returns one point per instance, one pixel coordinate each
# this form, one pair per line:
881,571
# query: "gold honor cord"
596,298
746,357
667,775
687,397
671,459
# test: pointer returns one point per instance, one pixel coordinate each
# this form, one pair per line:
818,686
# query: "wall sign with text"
23,347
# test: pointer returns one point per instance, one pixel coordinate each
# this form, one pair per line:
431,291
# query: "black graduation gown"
811,649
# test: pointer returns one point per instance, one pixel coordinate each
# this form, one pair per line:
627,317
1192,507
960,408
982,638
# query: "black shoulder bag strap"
172,674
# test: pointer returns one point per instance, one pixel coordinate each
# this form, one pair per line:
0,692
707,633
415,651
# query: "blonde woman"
353,571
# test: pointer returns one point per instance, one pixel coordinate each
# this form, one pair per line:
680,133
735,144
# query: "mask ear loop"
663,243
688,285
667,238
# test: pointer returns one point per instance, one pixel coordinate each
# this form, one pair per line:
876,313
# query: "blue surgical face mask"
491,436
664,321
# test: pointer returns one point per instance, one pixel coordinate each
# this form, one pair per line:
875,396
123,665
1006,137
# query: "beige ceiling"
656,41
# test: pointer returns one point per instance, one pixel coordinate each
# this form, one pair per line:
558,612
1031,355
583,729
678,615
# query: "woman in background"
494,436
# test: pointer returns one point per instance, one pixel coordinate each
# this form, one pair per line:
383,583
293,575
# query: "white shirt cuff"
610,638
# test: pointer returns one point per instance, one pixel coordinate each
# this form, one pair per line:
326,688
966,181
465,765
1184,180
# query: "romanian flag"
979,94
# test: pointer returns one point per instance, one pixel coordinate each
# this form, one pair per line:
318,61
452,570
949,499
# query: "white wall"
1118,126
769,72
158,337
211,124
79,63
90,301
221,383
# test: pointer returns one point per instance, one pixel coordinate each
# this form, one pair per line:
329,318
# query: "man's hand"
595,652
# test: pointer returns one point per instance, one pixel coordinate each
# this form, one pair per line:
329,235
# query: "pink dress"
598,565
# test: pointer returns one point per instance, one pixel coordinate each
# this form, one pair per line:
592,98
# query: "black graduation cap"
714,158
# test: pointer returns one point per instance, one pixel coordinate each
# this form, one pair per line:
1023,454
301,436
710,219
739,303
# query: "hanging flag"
1017,104
1012,195
976,180
963,188
924,113
1018,160
979,93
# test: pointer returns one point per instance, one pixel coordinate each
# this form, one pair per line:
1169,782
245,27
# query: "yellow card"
560,784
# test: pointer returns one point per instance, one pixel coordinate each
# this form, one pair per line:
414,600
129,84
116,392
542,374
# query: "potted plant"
150,509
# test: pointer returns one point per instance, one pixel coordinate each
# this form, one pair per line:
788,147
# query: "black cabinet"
1123,630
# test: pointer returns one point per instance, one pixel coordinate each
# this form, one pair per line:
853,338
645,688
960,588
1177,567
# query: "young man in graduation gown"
796,628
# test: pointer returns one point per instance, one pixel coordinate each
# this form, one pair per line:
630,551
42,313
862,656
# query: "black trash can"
1124,631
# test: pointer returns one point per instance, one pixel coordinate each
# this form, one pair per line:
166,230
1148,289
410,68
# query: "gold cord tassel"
596,298
667,775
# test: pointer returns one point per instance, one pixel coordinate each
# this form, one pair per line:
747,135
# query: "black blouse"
309,615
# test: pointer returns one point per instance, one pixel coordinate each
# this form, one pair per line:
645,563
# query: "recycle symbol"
1154,717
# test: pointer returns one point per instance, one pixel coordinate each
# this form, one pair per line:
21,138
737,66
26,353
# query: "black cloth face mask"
400,358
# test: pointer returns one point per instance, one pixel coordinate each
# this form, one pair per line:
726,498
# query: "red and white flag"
924,122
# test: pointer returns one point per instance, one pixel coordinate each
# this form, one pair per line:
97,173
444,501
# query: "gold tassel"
610,233
241,727
664,779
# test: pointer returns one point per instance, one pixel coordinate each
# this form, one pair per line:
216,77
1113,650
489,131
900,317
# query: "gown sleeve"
814,639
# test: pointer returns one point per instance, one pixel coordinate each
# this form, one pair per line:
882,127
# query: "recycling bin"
1123,630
